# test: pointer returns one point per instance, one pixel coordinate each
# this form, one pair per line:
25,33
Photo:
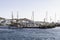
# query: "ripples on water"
30,34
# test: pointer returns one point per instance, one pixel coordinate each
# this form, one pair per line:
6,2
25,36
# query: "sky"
26,7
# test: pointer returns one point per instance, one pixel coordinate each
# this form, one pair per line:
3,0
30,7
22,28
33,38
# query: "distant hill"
1,18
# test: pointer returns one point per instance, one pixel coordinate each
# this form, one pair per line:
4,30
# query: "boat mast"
17,17
46,16
17,14
55,17
33,17
50,19
12,16
45,19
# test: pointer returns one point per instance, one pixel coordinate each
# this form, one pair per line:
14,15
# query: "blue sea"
30,34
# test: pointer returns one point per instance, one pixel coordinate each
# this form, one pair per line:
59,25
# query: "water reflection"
29,34
14,38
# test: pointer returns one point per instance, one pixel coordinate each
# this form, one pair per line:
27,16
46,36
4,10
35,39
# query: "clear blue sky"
25,8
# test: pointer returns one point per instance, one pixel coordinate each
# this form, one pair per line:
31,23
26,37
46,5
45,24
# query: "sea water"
30,34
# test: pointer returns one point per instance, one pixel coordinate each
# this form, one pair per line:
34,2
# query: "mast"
17,14
46,16
55,17
45,19
12,16
33,17
50,19
17,17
